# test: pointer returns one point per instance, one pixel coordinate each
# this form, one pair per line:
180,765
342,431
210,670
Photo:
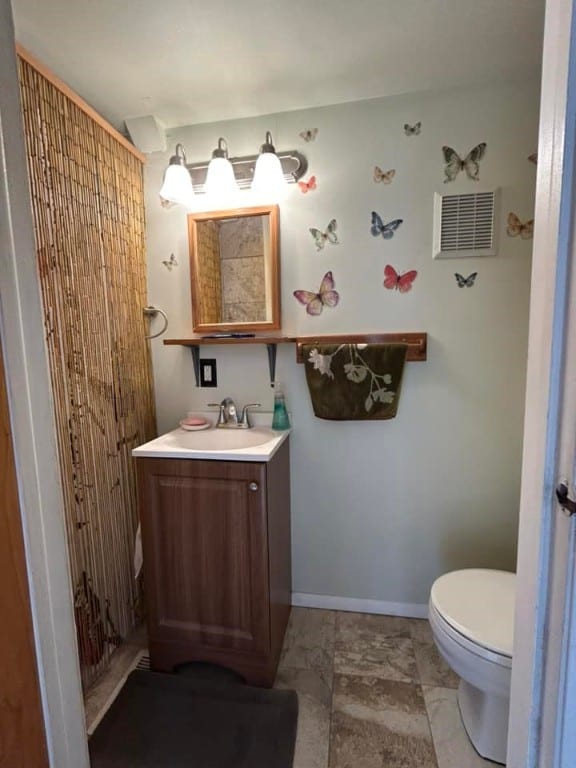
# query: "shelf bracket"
195,349
271,349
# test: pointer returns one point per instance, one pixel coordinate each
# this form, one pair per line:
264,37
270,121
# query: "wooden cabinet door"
205,553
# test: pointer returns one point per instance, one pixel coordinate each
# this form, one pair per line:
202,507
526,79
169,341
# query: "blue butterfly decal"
386,230
465,282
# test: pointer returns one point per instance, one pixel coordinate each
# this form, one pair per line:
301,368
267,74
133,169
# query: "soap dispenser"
280,419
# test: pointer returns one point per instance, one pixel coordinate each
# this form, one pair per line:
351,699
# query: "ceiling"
187,61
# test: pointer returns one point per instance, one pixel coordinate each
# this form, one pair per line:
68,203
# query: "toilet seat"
475,607
449,632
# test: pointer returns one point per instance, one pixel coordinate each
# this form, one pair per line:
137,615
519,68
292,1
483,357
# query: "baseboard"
141,660
358,605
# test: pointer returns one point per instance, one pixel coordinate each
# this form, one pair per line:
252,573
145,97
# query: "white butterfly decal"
171,262
470,164
412,130
384,176
309,135
321,238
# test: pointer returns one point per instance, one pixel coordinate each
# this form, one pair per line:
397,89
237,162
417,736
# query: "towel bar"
417,342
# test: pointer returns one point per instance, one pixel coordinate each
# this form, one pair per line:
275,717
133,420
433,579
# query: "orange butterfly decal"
384,176
307,186
516,227
402,283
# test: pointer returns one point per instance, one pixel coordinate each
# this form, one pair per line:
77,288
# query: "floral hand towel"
354,381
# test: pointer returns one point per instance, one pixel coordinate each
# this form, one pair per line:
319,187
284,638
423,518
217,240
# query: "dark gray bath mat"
190,721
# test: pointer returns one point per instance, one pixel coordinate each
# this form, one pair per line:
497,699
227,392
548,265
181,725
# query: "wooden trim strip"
194,341
78,100
417,342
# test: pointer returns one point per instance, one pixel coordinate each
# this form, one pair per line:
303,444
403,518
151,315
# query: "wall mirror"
234,269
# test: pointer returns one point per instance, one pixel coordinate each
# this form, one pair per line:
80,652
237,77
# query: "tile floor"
373,693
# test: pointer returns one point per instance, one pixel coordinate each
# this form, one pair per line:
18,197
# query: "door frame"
34,435
537,703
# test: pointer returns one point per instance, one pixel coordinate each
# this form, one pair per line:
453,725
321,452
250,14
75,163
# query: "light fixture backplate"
294,166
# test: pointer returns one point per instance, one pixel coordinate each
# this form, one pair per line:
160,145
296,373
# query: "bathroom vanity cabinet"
217,566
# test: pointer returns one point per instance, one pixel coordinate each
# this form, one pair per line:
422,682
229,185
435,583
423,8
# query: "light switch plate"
208,373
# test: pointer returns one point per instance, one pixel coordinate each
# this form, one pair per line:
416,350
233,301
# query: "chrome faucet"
228,414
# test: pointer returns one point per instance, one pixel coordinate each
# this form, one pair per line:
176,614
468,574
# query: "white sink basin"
219,439
256,444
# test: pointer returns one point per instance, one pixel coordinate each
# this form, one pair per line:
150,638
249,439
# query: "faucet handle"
245,418
220,406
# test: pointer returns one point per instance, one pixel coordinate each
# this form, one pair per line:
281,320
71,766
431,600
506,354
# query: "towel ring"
152,312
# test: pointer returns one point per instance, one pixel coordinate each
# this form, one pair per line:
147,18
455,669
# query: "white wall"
382,508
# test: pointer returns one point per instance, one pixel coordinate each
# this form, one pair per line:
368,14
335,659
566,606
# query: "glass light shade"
268,176
220,181
177,186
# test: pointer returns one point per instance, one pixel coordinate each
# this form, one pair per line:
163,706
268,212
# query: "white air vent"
465,225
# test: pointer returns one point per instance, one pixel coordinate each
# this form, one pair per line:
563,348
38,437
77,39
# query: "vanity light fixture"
293,166
177,183
268,175
220,177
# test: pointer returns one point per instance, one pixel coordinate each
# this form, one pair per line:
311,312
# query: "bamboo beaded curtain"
88,209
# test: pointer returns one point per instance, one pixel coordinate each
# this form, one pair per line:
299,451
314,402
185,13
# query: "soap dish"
195,423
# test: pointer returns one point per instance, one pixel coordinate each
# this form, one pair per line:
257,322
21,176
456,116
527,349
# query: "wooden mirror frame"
273,272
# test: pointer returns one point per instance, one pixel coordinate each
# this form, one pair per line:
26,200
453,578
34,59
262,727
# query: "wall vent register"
465,225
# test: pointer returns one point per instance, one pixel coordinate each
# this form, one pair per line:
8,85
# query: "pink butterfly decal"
307,186
326,296
402,283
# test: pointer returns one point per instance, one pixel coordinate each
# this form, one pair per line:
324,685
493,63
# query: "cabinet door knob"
253,486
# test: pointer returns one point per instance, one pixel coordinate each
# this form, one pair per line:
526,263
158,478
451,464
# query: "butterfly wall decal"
384,176
465,282
386,230
307,186
171,262
309,135
516,227
394,281
412,130
533,158
326,296
470,164
329,236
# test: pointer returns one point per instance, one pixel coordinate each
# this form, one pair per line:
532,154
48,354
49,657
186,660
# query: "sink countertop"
172,445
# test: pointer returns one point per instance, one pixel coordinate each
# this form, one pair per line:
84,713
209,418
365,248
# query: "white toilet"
472,619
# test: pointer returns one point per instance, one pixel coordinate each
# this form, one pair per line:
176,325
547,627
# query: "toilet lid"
479,604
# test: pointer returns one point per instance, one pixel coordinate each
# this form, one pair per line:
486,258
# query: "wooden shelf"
416,341
195,342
